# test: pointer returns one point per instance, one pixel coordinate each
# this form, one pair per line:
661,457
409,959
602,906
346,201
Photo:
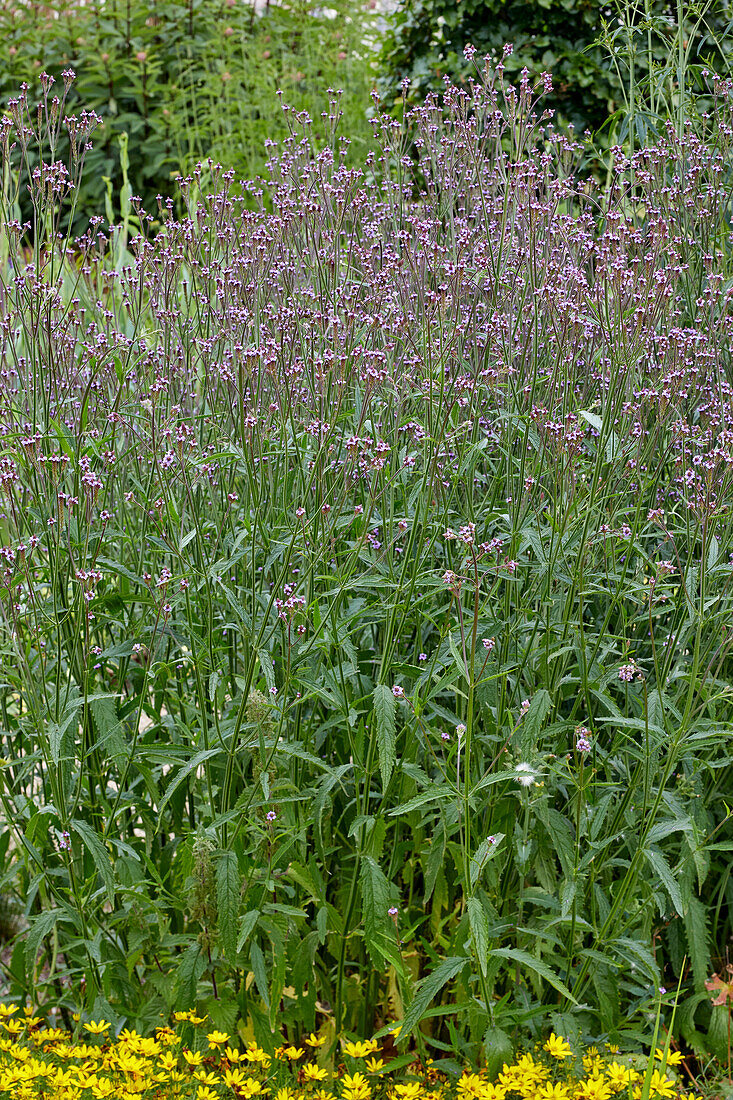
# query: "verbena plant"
366,609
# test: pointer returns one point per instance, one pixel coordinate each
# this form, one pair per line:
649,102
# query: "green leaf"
498,1049
186,770
384,713
479,931
257,961
459,663
696,931
539,967
434,793
40,926
57,730
190,969
214,679
246,928
109,728
228,892
265,660
660,865
428,990
485,851
531,724
100,856
379,929
433,864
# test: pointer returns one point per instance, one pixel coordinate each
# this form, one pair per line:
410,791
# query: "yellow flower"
251,1088
618,1075
8,1010
206,1077
285,1094
411,1090
97,1027
470,1087
232,1055
594,1088
312,1072
234,1078
254,1053
661,1085
375,1065
204,1093
674,1057
360,1049
557,1047
193,1057
217,1038
314,1040
355,1087
293,1053
493,1092
103,1090
558,1091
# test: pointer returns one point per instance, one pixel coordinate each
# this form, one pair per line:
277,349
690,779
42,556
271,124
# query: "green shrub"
589,47
189,80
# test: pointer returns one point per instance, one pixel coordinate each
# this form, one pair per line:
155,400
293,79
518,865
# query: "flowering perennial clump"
365,573
41,1062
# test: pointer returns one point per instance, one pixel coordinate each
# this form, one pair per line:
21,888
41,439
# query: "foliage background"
589,47
189,80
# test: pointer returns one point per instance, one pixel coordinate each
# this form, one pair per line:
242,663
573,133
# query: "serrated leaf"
384,714
267,669
228,891
433,865
100,856
696,931
40,927
567,896
660,865
56,730
379,929
434,793
479,931
531,724
109,728
459,663
428,990
214,679
180,775
485,851
190,969
525,959
323,791
498,1049
247,927
257,961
